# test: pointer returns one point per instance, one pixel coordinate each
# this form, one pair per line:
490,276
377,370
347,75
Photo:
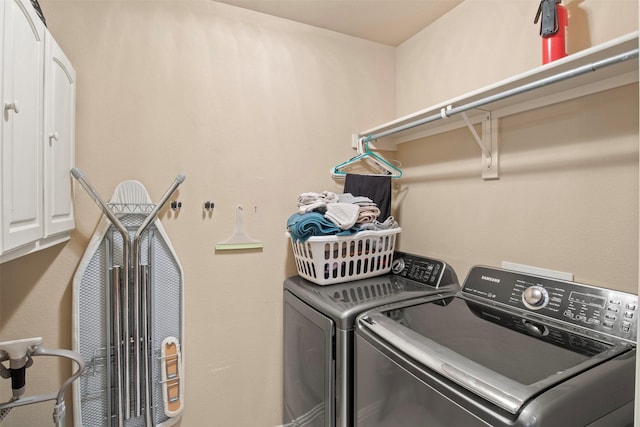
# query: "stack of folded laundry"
327,213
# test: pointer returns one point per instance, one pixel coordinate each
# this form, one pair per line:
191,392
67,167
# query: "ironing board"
93,323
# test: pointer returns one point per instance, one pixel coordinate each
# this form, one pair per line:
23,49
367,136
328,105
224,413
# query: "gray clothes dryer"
319,335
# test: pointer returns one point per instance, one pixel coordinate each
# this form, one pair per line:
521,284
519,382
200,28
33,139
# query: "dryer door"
309,365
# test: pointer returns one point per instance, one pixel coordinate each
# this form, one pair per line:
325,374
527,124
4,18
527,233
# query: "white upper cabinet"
37,145
59,139
22,84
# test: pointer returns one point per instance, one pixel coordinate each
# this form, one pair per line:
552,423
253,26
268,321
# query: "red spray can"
554,22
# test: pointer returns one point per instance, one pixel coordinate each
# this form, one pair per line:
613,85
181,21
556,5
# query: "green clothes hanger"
387,168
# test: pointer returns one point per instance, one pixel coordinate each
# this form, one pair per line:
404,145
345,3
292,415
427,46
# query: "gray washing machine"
510,349
319,335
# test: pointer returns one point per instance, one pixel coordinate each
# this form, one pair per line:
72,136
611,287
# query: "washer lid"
488,351
343,302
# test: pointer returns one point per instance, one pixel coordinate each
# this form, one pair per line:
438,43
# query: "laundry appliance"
509,349
319,334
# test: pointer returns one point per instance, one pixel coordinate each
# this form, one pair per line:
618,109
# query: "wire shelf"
131,208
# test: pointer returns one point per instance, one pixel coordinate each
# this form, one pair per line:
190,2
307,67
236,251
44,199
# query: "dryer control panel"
420,269
599,309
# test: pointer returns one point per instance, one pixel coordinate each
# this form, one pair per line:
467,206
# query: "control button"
607,324
398,265
593,321
626,326
613,309
615,301
568,313
632,306
628,314
610,316
535,297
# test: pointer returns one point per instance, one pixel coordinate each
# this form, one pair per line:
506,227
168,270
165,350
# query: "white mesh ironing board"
95,401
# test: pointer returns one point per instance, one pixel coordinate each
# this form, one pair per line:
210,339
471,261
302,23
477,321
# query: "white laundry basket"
327,260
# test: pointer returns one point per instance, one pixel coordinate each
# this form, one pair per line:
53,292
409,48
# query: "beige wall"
253,110
567,197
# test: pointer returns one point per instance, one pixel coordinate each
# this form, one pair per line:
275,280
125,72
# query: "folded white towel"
344,215
350,198
325,196
308,202
368,214
315,206
386,225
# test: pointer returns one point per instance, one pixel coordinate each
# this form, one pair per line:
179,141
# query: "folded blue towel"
303,226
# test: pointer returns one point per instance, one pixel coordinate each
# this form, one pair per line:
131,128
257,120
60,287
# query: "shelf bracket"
488,143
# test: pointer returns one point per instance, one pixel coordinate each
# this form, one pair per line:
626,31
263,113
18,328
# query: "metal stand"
24,358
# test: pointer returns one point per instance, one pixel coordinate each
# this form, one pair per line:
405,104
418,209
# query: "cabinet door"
59,139
23,55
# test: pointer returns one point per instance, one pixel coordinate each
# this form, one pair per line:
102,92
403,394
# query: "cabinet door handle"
54,136
11,106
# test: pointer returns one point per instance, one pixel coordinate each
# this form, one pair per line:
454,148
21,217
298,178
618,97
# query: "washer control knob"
535,297
398,265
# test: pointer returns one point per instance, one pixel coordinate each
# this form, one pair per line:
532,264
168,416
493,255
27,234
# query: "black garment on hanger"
375,187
